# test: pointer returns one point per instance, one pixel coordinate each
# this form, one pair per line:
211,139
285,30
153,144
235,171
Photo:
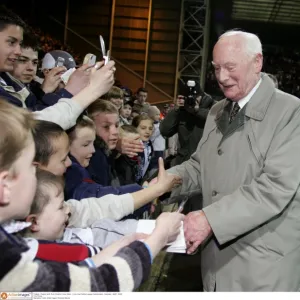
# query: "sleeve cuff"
149,250
90,263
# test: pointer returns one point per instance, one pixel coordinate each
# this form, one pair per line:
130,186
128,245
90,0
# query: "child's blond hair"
16,127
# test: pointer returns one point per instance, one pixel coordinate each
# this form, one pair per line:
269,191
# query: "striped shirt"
19,272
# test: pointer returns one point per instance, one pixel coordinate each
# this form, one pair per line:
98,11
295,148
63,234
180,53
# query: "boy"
25,70
125,166
106,118
116,96
158,141
13,90
52,150
49,218
18,271
125,113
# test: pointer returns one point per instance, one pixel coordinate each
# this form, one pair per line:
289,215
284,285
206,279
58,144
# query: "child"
158,142
79,183
127,167
18,270
144,126
125,113
52,148
106,118
116,96
49,218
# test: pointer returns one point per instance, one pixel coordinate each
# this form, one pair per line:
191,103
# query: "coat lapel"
222,117
255,109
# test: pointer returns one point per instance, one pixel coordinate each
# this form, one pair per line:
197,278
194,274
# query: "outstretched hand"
165,180
113,249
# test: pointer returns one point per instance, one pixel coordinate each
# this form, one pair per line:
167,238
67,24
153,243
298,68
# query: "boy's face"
131,135
51,223
17,186
59,161
10,38
26,66
126,111
82,147
118,102
145,130
107,127
142,97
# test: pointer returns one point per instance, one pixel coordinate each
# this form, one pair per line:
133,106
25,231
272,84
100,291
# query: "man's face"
142,97
236,71
26,66
10,39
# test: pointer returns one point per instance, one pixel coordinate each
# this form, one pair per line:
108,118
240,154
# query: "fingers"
57,71
191,248
98,65
161,166
85,67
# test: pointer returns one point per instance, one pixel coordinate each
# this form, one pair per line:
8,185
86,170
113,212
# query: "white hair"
253,43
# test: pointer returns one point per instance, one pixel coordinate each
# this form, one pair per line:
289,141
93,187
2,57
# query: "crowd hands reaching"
82,165
84,154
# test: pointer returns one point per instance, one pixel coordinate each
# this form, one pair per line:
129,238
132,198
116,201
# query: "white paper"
65,77
178,246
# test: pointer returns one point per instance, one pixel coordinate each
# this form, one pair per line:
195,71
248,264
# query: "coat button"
214,193
220,152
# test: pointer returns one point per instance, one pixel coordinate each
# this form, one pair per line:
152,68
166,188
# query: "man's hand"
78,80
196,230
52,79
129,147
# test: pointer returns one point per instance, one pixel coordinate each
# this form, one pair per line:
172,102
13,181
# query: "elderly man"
247,168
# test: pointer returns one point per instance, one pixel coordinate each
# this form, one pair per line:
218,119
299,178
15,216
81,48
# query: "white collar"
246,99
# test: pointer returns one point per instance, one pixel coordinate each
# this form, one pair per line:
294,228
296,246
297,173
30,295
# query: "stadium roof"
273,11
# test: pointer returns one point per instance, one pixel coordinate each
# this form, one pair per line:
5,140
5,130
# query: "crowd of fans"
99,150
76,159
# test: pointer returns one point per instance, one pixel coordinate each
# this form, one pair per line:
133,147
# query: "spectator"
158,141
125,113
144,126
116,96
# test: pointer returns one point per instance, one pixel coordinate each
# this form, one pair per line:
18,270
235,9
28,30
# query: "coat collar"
255,109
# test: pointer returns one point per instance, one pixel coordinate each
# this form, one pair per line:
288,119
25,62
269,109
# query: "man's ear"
4,188
33,219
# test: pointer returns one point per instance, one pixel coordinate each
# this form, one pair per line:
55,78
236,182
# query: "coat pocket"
254,149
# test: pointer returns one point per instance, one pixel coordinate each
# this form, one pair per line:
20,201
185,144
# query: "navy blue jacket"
79,184
32,102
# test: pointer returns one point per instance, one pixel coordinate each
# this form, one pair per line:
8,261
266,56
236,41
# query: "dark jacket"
189,127
126,168
11,92
79,184
100,163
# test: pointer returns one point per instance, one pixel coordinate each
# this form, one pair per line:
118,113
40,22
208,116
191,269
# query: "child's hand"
112,249
166,181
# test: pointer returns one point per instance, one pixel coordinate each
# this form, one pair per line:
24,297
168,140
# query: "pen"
180,208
